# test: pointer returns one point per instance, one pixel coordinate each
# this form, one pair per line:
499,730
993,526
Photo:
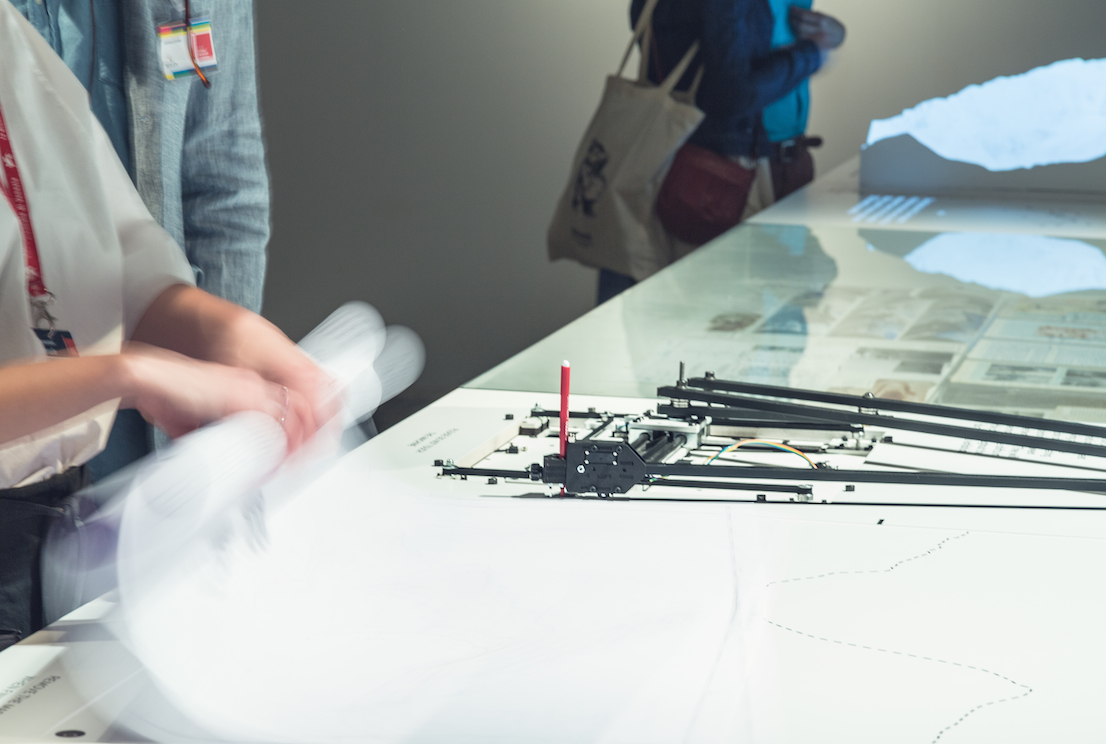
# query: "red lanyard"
17,198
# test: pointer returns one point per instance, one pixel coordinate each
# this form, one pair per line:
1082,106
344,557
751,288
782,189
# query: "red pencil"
564,406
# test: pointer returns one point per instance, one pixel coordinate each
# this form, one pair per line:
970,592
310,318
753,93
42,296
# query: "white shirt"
102,254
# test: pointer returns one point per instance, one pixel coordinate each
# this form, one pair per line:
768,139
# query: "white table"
779,623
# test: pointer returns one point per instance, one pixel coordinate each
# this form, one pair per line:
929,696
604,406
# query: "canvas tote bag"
605,216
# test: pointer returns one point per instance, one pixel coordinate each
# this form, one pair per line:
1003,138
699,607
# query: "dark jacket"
742,72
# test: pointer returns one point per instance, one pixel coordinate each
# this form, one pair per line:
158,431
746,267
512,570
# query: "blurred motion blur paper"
321,600
496,619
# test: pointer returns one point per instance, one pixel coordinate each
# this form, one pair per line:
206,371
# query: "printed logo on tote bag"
590,181
589,185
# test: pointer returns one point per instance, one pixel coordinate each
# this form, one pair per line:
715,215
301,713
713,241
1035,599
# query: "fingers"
824,30
808,27
802,17
179,394
315,390
299,420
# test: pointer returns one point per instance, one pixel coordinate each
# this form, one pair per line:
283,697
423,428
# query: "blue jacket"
742,73
196,155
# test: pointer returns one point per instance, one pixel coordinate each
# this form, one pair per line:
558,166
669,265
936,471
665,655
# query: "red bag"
703,195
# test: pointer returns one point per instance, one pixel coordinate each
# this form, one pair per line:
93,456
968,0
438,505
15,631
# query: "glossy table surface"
782,622
1007,321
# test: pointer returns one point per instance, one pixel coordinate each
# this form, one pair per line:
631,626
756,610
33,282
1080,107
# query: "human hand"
254,343
179,394
312,393
825,31
201,326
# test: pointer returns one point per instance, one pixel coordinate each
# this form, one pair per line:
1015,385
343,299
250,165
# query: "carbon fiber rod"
904,406
887,422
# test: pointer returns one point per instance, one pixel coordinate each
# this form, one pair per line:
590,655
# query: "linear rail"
890,404
887,422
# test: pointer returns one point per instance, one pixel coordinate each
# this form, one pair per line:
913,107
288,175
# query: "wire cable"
775,445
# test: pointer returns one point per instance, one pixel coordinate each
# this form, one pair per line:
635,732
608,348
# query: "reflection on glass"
742,314
995,125
1010,322
1032,265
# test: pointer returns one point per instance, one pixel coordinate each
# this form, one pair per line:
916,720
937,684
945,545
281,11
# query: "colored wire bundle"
775,445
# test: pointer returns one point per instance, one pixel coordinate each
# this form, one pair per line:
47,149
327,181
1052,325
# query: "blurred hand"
189,321
825,31
313,393
179,394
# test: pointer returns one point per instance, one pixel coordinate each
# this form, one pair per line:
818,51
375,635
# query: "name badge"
57,343
176,62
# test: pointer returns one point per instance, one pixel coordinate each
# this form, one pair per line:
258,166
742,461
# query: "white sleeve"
152,260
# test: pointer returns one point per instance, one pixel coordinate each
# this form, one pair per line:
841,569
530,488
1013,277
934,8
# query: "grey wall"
417,147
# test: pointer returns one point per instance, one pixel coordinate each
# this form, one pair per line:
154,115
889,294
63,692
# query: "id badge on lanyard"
186,46
56,341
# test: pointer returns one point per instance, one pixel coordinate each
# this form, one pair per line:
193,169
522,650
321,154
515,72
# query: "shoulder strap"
669,83
641,29
648,49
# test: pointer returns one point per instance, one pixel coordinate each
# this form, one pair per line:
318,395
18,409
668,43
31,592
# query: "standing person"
785,119
744,74
84,267
192,143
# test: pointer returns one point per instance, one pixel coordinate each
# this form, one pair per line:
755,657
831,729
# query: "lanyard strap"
17,197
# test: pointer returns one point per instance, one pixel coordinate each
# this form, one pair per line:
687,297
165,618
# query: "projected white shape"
1032,265
1051,114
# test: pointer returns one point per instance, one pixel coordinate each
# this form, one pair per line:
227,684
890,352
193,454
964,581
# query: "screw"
580,469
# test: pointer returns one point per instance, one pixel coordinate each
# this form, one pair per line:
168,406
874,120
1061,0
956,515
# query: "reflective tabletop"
835,199
1010,321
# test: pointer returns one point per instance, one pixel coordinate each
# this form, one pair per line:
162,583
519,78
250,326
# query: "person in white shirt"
98,310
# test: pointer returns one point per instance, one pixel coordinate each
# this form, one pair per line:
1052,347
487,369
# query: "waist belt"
788,150
41,499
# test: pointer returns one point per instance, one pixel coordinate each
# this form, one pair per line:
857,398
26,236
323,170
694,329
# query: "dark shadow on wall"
416,151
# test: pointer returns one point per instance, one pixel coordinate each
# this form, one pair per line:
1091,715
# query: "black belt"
789,149
26,501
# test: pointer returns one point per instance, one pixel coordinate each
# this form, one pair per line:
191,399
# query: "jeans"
612,283
25,515
129,441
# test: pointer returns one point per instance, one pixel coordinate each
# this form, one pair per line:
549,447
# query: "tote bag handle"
643,34
686,96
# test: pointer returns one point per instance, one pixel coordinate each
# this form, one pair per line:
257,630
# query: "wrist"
256,344
128,374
